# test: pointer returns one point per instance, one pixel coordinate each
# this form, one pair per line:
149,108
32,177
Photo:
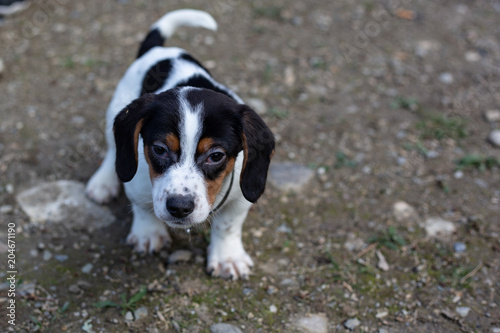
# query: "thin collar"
213,211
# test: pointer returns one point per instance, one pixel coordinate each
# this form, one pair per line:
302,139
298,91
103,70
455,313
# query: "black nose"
180,206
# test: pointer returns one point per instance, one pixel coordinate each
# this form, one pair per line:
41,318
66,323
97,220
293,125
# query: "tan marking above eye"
173,142
204,145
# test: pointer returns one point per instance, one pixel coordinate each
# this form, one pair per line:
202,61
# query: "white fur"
184,17
226,256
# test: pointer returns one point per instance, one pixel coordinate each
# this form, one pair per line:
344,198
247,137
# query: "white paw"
148,240
229,262
102,188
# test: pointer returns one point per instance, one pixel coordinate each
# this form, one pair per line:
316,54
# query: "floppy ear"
127,127
258,148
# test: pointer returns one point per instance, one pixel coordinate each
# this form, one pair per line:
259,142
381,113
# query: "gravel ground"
386,115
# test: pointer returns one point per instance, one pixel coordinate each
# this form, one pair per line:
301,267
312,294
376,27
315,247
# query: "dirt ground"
384,100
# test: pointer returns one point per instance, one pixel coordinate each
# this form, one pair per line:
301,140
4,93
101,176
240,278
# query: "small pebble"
494,138
247,291
5,209
140,313
273,309
446,78
463,311
472,56
33,253
437,227
74,289
129,316
459,247
61,257
271,290
382,330
492,115
351,324
458,174
180,256
257,104
224,328
87,268
313,323
382,262
47,255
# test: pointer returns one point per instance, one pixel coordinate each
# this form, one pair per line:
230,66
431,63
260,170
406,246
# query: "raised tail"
166,26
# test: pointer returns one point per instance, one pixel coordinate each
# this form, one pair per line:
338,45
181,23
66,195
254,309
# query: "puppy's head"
191,140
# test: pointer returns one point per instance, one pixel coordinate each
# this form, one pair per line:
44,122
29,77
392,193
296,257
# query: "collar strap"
213,211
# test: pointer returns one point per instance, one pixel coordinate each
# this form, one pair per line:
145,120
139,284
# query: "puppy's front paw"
149,242
229,263
103,188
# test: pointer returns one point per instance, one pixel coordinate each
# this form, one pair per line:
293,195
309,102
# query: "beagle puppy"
186,148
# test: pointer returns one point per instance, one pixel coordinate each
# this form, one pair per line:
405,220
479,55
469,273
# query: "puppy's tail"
166,26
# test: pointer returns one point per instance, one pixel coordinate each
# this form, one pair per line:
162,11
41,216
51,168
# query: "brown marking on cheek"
152,173
245,153
204,145
137,131
173,142
214,186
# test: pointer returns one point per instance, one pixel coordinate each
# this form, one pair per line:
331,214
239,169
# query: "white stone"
382,262
494,138
437,227
289,176
129,316
257,104
423,47
87,268
180,256
492,115
351,324
140,313
63,201
273,309
472,56
403,211
313,323
463,311
224,328
446,78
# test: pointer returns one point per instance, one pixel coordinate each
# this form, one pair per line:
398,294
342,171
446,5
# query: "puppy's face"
191,140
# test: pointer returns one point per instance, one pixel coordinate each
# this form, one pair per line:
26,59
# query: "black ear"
258,148
127,127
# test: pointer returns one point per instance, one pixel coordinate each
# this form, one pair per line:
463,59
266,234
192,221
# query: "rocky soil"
382,212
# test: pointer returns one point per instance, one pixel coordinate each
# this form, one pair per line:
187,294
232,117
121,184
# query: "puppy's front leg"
226,256
148,233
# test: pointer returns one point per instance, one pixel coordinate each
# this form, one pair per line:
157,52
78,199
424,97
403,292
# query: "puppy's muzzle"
180,206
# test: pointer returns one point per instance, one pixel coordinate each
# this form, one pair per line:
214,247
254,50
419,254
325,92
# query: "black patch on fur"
125,127
259,148
227,123
199,81
190,58
156,76
154,38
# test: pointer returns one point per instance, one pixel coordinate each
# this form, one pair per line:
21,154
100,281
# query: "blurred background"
383,204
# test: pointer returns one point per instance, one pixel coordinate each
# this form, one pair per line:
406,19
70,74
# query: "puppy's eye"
160,151
216,158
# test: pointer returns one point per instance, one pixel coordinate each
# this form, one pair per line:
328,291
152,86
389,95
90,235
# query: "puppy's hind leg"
104,185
